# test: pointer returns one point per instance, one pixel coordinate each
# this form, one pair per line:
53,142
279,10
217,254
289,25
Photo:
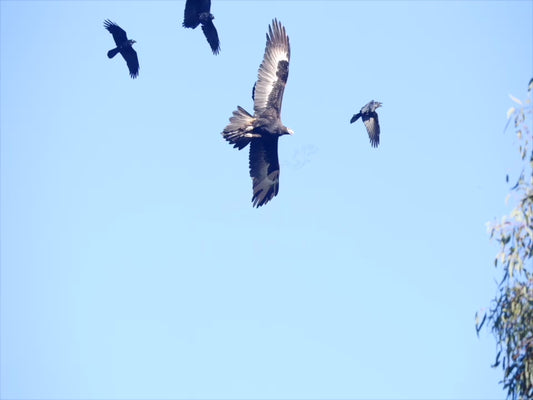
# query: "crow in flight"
371,121
124,47
263,129
199,12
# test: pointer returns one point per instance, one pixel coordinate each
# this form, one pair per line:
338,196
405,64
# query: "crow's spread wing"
130,55
191,15
119,34
273,72
371,122
211,35
264,169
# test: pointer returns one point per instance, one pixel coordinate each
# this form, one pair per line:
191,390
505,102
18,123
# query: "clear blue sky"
132,262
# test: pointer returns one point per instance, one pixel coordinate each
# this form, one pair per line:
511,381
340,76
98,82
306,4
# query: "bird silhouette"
370,119
124,47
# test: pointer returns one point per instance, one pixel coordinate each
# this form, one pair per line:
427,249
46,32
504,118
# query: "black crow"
199,12
371,121
124,47
263,129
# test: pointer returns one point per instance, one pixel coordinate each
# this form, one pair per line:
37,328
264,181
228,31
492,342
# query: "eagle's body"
199,12
124,47
263,129
370,119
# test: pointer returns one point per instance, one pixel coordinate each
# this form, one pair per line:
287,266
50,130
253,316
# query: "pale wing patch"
277,50
372,127
266,189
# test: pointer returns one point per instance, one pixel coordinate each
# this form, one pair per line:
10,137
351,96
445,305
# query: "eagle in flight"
263,129
124,47
199,12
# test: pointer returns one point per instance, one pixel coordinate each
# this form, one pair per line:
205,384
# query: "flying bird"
371,121
199,12
263,129
124,47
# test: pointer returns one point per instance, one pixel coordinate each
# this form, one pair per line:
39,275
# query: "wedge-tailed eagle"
263,129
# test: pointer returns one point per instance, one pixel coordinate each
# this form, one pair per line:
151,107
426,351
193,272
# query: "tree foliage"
510,317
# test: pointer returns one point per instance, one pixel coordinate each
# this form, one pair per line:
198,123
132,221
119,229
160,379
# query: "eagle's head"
282,129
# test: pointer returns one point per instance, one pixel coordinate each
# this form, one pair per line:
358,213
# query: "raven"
263,129
198,12
371,121
124,47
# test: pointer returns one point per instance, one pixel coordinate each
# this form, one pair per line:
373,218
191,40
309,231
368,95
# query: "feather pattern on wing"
372,127
264,169
370,118
263,129
273,71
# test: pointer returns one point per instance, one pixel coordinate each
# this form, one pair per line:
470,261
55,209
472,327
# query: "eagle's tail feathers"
239,132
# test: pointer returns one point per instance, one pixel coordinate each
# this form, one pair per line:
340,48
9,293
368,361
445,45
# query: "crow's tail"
112,53
355,118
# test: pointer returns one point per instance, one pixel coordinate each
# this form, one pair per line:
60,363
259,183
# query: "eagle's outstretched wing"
264,169
273,72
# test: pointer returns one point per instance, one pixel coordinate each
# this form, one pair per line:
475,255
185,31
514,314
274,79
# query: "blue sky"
132,262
